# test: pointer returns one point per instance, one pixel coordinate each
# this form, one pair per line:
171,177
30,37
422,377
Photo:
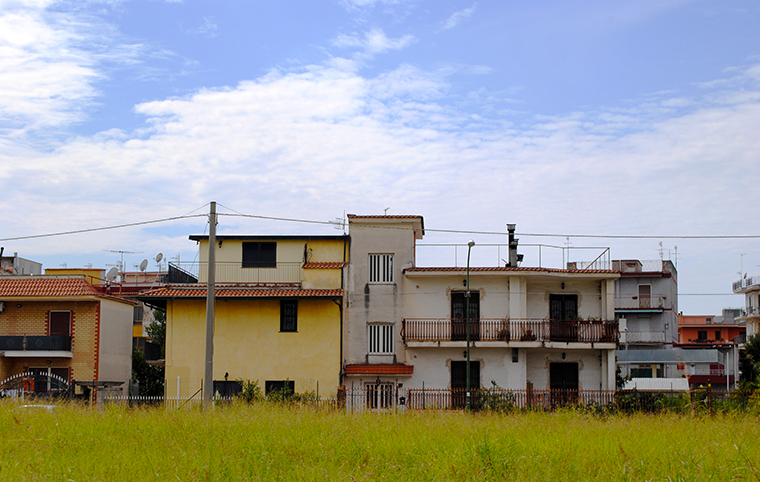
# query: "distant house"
15,265
646,308
710,346
278,314
63,326
405,325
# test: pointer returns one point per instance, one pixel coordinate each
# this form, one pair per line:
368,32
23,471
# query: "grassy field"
273,442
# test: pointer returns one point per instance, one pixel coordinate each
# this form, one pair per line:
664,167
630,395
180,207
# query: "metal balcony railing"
286,272
35,343
483,329
745,283
633,302
648,337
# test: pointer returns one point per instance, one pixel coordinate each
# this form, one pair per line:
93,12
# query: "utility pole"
208,377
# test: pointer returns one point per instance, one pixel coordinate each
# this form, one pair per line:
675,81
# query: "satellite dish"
112,273
159,257
143,265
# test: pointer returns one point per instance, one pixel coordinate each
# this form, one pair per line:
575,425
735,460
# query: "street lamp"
470,244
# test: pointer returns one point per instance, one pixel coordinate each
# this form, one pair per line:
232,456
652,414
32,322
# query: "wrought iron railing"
504,329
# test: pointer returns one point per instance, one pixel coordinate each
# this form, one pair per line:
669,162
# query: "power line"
104,228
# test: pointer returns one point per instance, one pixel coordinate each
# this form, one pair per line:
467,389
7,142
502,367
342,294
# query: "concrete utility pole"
208,376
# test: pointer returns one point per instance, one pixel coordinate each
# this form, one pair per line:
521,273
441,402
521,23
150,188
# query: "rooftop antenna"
112,274
385,211
158,259
143,265
121,265
741,269
65,265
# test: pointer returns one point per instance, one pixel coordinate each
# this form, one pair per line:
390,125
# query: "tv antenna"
121,265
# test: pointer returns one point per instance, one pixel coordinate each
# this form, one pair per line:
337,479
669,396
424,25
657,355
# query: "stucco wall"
115,342
248,344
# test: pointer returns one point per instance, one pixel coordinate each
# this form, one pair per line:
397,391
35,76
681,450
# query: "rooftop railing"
285,272
633,302
744,283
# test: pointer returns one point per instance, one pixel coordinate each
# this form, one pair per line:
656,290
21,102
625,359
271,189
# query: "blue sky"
615,118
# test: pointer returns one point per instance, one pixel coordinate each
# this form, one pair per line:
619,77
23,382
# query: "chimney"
514,258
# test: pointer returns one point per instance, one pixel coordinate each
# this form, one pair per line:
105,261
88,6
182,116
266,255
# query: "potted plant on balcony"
528,336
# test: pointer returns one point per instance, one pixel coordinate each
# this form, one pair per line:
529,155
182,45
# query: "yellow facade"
248,344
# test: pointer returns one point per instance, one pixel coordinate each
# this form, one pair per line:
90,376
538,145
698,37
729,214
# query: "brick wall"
31,318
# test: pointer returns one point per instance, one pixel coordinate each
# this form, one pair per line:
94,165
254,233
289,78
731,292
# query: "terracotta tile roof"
379,369
510,268
51,287
325,265
236,291
45,287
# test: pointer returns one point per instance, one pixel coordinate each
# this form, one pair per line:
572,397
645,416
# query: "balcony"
282,273
746,284
509,330
643,337
21,343
633,302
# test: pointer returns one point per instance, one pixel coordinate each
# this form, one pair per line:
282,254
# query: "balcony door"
563,312
459,381
458,315
60,323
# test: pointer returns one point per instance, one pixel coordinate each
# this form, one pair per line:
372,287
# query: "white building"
406,324
750,288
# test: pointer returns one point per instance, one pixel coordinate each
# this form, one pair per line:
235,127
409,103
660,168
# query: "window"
289,315
380,339
381,268
645,296
285,387
259,255
702,335
717,335
60,323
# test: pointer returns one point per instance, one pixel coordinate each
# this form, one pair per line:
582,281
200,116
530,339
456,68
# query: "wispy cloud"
48,66
457,18
373,42
208,28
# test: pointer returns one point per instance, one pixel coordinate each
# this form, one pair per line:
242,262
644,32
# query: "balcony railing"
35,343
289,272
745,283
646,337
657,302
446,329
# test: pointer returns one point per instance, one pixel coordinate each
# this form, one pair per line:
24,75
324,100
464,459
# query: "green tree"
157,330
151,377
749,362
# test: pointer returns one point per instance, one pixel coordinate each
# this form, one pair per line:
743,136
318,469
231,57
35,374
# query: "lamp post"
470,244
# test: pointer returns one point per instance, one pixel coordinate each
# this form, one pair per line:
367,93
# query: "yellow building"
278,315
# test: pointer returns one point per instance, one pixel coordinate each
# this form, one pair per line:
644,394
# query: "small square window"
289,315
381,268
259,255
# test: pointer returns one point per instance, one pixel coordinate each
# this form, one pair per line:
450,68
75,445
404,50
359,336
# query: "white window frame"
380,339
381,268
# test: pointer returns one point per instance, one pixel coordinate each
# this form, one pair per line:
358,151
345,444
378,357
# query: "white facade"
750,288
553,328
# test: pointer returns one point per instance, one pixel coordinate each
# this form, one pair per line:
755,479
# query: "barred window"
288,315
381,268
380,339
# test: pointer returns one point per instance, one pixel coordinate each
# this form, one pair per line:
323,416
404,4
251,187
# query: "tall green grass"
274,442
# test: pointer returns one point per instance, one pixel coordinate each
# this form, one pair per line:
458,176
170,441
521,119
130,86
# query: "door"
563,313
645,296
563,382
459,319
459,382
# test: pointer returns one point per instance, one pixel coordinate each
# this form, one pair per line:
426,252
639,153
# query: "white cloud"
48,66
373,42
458,17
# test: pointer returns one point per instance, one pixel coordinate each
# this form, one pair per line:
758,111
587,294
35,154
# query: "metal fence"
447,329
290,272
